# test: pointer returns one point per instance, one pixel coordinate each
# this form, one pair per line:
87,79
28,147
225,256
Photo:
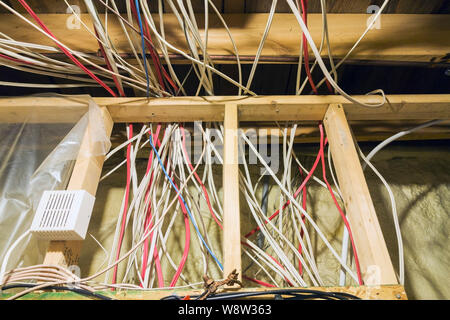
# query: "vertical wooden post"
85,176
231,212
376,265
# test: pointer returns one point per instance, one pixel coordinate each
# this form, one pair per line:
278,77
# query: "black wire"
171,297
202,295
308,297
79,291
294,293
239,295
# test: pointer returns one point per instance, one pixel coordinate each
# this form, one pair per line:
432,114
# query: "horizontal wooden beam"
400,37
188,109
391,292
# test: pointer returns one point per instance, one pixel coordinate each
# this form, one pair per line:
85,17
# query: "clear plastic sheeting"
35,157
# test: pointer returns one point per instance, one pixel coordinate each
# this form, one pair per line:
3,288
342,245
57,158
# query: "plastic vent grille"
57,210
63,215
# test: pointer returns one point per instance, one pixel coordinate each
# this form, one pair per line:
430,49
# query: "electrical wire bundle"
146,38
156,199
169,167
282,294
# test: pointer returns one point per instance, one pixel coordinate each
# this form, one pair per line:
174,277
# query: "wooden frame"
333,110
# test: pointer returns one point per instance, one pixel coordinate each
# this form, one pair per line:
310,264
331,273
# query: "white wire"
397,136
8,254
394,215
324,68
261,44
369,27
294,202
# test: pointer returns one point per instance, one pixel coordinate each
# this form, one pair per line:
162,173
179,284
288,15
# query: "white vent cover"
63,215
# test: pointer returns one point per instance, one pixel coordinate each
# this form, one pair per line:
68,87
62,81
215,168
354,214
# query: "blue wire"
143,47
184,202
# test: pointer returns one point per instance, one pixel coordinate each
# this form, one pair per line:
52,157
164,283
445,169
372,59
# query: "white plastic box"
63,215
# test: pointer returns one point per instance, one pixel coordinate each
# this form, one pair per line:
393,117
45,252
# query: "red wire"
306,52
149,225
186,218
187,240
93,76
127,191
320,157
102,49
125,209
305,46
158,268
14,59
187,233
145,254
67,53
295,194
300,268
150,160
158,71
265,284
313,86
344,218
186,244
155,57
199,180
275,260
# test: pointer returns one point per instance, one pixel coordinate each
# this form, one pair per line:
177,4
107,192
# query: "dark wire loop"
295,294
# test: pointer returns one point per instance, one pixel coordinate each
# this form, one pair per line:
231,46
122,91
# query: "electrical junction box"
63,215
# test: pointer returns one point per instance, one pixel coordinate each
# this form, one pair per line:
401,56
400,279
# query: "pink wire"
148,221
347,225
199,180
262,283
125,209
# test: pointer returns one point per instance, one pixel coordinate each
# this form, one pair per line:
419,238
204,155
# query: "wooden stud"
376,265
231,210
85,175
